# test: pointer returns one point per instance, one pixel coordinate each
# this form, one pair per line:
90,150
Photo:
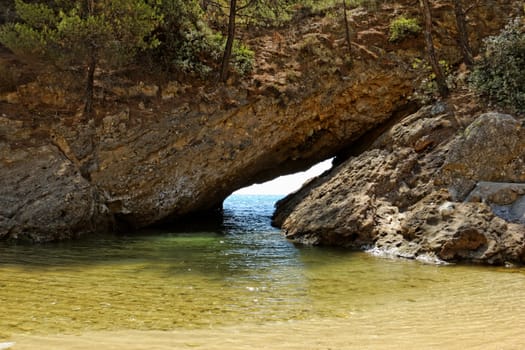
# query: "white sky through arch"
288,183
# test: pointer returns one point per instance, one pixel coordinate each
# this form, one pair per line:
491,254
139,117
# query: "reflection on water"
241,278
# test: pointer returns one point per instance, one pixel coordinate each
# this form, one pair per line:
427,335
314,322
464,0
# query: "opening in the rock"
287,183
250,209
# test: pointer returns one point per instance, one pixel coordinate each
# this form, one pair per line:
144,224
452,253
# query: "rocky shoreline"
427,189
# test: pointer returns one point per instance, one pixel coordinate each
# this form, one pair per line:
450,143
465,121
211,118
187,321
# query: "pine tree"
463,39
347,31
229,41
83,34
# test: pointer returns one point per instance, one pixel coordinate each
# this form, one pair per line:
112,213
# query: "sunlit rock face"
142,171
193,160
427,189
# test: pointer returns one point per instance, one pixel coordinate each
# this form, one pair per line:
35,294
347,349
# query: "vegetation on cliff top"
82,34
200,38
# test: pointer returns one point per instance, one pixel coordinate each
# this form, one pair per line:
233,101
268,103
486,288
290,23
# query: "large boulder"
406,195
492,148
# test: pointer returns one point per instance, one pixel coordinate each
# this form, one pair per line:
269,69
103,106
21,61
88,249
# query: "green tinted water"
243,274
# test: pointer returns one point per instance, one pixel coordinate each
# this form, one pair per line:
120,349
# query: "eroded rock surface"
406,195
142,171
492,148
192,160
42,193
154,151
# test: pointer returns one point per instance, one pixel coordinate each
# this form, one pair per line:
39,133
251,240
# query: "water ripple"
246,273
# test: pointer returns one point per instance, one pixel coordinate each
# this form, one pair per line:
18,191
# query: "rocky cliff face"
426,189
134,172
192,160
42,193
154,152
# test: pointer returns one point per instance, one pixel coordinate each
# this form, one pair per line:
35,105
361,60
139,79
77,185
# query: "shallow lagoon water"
243,286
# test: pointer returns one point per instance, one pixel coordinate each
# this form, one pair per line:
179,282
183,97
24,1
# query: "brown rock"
180,162
185,148
491,149
163,172
43,197
393,198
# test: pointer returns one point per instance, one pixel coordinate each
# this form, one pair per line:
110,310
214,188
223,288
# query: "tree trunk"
440,77
92,64
461,23
347,31
229,42
90,4
90,79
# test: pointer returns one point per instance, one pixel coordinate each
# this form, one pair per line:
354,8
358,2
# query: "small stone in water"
6,345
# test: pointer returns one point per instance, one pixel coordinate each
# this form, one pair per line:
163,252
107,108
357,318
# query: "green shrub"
188,44
401,27
426,89
242,60
7,11
196,52
499,73
199,53
71,37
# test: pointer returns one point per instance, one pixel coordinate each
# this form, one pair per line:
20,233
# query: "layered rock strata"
61,180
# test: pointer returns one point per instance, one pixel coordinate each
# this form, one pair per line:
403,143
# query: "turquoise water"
245,275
